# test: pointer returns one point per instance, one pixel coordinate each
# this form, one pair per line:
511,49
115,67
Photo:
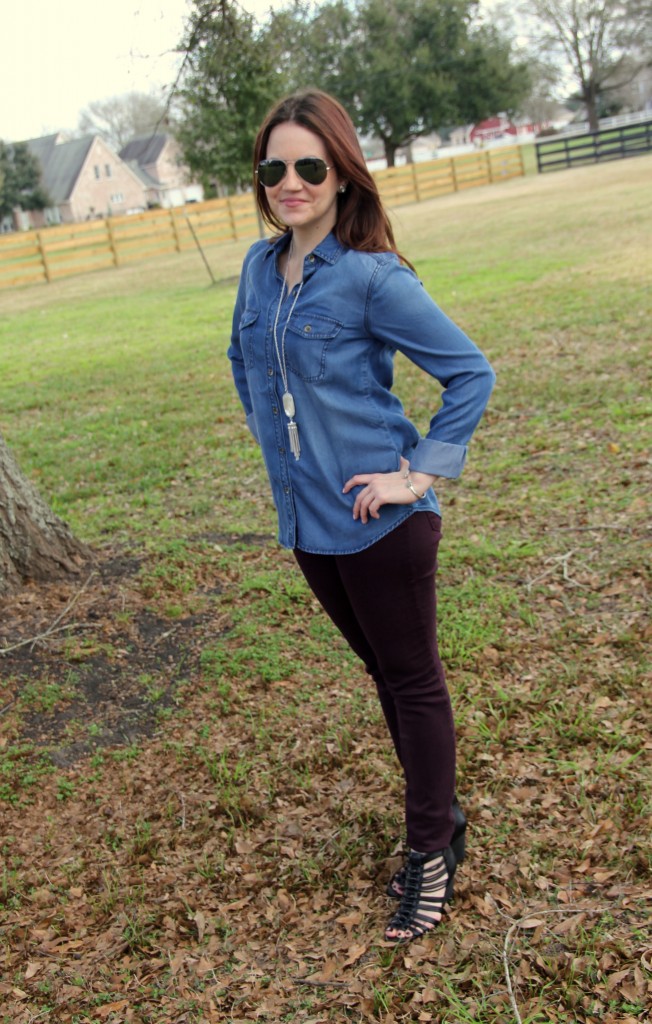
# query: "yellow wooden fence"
417,182
31,257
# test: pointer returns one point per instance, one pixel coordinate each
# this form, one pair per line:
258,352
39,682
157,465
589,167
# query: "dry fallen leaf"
109,1008
200,922
350,920
354,954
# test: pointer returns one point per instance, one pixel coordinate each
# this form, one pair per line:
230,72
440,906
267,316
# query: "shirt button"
270,372
286,490
311,258
307,328
275,411
281,451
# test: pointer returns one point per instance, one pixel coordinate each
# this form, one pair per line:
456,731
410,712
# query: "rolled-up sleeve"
400,313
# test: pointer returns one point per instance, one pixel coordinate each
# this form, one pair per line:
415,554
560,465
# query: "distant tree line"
402,68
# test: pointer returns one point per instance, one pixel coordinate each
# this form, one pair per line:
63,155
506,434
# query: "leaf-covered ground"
232,867
200,808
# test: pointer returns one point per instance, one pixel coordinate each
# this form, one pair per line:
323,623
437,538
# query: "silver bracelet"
410,486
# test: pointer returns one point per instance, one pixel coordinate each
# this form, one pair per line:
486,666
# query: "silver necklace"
288,400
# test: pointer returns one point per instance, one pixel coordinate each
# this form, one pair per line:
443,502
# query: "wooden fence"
413,183
47,255
31,257
592,148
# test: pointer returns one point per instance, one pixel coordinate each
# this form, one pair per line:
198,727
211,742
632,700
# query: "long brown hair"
362,222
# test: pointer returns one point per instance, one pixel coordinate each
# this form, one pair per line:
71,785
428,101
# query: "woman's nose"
292,179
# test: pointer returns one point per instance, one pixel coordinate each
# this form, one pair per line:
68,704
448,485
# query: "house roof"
142,174
144,149
42,148
61,163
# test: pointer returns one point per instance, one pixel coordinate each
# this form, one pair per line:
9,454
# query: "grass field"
199,804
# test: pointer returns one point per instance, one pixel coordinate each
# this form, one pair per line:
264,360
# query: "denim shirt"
354,312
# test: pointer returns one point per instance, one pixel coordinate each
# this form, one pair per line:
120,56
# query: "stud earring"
342,189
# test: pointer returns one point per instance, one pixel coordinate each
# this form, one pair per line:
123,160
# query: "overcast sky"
60,55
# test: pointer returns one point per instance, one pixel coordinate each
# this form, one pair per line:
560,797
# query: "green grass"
231,867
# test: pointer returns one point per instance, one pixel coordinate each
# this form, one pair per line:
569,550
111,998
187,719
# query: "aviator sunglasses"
312,169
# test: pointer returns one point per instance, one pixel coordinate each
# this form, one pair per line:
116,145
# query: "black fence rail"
579,150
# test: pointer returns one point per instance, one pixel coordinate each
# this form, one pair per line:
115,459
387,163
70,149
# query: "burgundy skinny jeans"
383,602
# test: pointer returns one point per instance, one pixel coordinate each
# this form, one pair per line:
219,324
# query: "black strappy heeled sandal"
396,884
428,888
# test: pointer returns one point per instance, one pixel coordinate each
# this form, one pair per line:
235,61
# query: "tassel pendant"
293,430
295,447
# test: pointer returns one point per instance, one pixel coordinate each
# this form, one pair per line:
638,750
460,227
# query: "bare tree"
122,118
604,43
34,542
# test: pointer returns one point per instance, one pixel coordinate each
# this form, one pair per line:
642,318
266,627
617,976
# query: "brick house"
84,179
156,159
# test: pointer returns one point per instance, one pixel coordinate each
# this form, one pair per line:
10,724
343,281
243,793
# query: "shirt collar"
329,249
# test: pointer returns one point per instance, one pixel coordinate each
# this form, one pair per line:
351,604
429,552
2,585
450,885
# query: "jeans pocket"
435,522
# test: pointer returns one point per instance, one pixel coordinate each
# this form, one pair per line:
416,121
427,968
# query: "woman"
321,310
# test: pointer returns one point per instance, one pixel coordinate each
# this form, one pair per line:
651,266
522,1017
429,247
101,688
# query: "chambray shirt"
355,311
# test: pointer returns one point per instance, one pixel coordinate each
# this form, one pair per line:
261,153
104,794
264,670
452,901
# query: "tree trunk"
34,543
591,103
390,153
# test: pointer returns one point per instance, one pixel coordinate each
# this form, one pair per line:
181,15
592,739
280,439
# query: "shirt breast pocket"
247,329
307,342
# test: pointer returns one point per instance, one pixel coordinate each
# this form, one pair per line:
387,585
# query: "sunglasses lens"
311,169
270,172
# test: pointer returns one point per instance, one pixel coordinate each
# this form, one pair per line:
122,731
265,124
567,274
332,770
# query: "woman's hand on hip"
385,489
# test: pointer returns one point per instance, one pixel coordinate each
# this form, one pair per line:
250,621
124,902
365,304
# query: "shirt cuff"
439,458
